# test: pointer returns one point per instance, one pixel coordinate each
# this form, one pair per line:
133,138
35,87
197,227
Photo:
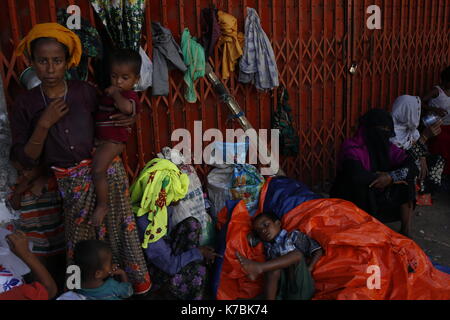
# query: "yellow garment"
232,42
159,184
60,33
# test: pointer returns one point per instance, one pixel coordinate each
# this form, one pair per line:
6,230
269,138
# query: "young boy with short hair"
287,275
94,258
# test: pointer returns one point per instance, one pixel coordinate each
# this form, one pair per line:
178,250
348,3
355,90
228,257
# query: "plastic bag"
146,72
246,185
219,185
228,153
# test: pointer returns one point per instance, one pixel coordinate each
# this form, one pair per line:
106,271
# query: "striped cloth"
258,63
41,220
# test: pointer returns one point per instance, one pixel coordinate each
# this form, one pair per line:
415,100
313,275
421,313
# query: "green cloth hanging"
123,20
91,42
282,120
194,59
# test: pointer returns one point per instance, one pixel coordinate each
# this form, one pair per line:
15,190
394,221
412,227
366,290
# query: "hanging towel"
258,64
194,58
167,55
232,42
210,30
159,184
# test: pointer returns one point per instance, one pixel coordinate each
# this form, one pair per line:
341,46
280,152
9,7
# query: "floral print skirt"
119,226
189,283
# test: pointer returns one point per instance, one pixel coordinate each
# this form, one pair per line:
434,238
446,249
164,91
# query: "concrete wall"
7,172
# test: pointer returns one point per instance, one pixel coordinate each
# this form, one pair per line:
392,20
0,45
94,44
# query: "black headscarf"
379,128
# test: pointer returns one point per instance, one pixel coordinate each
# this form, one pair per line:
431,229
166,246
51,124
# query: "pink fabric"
355,149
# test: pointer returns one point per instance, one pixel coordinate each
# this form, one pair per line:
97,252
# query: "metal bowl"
29,79
430,119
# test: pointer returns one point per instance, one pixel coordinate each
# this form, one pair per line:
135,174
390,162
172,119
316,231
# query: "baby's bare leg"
103,157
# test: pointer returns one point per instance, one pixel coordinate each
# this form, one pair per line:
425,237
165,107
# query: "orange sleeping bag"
353,241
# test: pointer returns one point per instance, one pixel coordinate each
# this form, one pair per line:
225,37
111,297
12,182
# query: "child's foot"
251,267
98,215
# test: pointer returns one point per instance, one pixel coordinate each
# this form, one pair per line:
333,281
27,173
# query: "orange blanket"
353,241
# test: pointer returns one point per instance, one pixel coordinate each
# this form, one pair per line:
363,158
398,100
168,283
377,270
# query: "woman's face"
50,63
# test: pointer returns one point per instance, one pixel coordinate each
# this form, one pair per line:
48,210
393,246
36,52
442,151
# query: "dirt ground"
431,229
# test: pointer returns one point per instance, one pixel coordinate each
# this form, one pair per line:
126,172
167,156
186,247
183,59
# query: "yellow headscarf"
60,33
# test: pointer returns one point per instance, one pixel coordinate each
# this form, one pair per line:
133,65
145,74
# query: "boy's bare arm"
120,272
19,246
123,104
315,258
282,262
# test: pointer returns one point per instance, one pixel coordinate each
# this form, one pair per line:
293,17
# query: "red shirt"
33,291
104,129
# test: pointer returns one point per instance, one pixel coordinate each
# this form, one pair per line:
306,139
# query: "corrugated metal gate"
315,42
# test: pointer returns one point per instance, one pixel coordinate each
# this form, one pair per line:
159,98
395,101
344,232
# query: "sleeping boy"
287,273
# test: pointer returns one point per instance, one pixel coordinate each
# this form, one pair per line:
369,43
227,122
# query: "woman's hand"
382,181
433,131
208,254
122,120
423,168
53,113
440,112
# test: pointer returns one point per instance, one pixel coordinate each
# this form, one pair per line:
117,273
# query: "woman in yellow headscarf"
53,125
58,32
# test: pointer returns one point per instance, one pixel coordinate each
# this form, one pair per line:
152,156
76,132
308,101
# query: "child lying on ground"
287,275
94,258
125,74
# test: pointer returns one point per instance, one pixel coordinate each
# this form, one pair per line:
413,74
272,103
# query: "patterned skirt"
190,282
440,145
119,226
41,220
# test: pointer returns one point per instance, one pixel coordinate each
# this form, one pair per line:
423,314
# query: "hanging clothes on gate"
232,42
167,55
90,41
210,30
282,120
123,20
258,64
194,58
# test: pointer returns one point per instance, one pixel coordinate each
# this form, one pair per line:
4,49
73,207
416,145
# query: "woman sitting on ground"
176,260
406,114
438,102
375,174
